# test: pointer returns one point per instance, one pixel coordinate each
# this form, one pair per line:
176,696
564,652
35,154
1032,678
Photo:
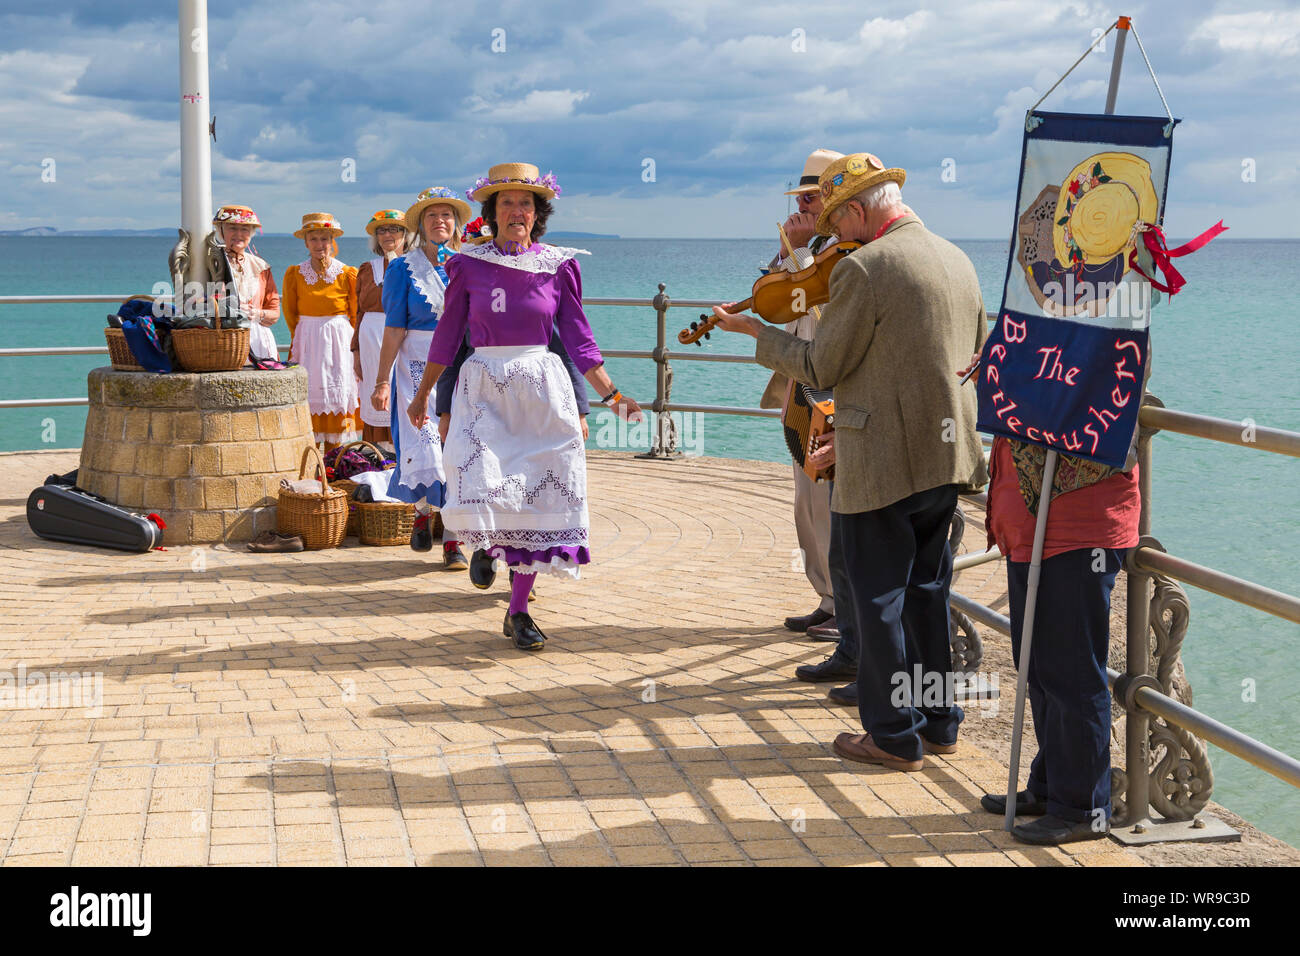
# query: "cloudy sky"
725,98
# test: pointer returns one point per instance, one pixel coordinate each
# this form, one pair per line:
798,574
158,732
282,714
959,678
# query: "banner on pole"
1065,364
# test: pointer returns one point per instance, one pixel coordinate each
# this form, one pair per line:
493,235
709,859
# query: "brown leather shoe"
861,748
271,541
826,631
931,747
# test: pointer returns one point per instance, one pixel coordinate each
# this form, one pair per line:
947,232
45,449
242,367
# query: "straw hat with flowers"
847,176
319,220
514,176
1099,205
236,216
386,217
433,196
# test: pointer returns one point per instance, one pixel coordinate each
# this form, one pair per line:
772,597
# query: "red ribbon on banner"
1154,238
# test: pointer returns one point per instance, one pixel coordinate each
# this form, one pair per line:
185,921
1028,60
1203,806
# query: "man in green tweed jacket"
905,312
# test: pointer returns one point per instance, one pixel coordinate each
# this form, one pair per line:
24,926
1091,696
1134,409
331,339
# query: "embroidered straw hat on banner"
386,217
813,167
847,176
236,216
1098,206
319,220
433,196
514,176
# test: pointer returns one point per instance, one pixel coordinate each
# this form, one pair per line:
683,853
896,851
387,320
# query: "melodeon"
808,415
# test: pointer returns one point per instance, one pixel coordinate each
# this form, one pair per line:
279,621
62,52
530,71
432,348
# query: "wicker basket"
354,517
360,441
319,519
119,353
211,350
386,523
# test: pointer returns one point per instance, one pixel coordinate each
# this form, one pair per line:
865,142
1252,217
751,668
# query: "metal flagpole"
196,152
1040,532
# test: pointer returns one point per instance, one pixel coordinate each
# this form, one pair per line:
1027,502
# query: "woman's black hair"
542,210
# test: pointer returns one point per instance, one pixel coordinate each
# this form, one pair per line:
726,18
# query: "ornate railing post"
664,443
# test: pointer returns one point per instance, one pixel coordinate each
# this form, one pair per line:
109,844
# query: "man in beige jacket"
812,501
905,312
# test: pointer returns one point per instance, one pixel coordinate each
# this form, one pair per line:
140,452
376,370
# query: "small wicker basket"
119,353
211,350
319,519
386,523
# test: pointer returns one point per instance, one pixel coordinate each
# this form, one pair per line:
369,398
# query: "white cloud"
1271,32
536,106
882,33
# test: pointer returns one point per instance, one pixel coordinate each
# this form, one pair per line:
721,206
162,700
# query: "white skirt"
516,464
371,337
419,473
322,344
261,341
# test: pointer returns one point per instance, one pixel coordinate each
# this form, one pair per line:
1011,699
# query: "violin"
781,297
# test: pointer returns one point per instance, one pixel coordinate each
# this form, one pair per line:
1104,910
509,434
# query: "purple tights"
519,588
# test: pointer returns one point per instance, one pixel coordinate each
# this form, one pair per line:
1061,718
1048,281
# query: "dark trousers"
1067,677
848,645
898,569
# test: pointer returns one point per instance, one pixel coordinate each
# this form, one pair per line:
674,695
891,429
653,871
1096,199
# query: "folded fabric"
377,482
301,486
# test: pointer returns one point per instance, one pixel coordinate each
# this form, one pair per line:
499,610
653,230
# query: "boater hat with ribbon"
434,196
1103,203
514,176
847,176
386,217
236,216
319,220
813,167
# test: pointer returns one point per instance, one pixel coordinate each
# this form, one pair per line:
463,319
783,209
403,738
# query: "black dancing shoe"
421,534
1053,831
835,667
1027,805
526,635
846,696
482,570
453,559
801,624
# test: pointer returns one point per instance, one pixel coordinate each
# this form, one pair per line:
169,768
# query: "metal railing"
1152,576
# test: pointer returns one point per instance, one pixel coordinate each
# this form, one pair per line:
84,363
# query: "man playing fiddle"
812,501
904,310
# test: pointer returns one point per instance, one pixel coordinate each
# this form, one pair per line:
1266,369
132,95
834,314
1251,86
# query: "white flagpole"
1040,533
196,153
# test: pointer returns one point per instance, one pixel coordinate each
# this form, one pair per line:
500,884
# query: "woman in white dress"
388,240
258,296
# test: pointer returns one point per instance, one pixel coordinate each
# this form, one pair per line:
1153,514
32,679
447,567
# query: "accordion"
808,414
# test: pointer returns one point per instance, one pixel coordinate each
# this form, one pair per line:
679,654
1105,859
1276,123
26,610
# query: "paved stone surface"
361,705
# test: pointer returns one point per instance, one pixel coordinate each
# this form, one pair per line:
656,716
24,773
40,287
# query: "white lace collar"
540,259
425,277
332,271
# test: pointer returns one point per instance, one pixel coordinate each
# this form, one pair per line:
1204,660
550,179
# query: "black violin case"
60,511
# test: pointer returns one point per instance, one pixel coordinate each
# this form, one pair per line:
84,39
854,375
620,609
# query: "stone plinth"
205,451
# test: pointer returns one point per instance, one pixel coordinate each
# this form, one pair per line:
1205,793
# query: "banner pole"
1040,532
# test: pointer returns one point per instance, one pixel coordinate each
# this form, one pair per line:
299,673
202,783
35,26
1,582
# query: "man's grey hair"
879,197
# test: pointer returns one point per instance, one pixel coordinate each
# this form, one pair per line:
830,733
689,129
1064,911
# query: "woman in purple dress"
515,462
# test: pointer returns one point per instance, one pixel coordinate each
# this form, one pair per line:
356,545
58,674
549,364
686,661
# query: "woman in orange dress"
320,308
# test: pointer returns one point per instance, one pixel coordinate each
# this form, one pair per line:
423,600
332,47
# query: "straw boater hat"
847,176
433,196
386,217
514,176
1099,205
319,220
236,216
817,161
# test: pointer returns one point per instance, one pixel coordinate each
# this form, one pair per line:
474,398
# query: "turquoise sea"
1228,346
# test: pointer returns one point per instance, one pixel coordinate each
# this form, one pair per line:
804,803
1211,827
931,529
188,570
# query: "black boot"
834,668
526,635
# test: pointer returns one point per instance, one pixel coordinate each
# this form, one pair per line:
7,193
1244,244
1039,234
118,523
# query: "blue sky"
726,98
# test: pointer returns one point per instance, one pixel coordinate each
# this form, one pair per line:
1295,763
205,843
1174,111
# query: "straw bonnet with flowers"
847,176
515,460
386,217
231,215
319,220
433,196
